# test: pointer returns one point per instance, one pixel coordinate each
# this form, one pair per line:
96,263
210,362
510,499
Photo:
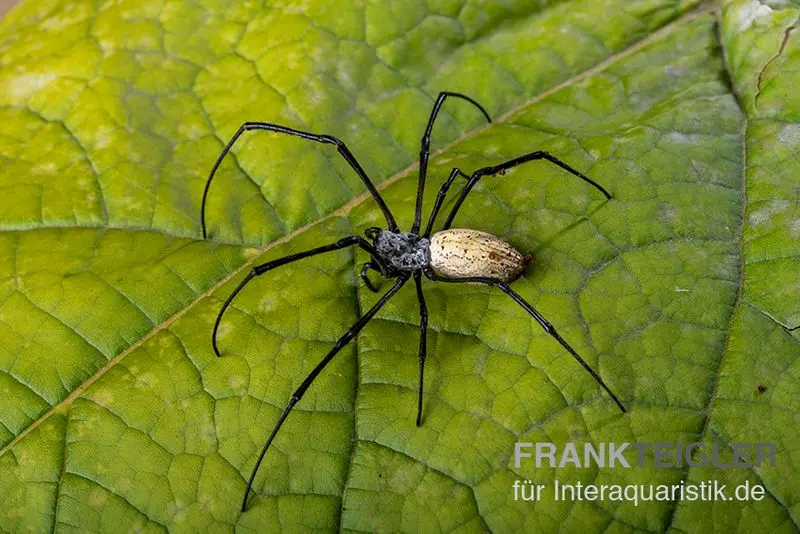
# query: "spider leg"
326,139
298,394
552,331
440,196
425,148
264,267
423,334
549,328
367,282
503,167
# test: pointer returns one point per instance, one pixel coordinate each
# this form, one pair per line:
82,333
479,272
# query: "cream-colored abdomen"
464,253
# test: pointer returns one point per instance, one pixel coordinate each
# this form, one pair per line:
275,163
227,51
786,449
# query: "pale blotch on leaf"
103,397
208,316
222,331
57,23
754,10
51,432
205,499
250,253
491,150
180,515
292,60
401,478
764,214
82,428
209,432
104,138
191,130
44,168
679,138
97,498
22,86
25,460
133,206
794,230
673,71
237,384
790,135
267,304
147,381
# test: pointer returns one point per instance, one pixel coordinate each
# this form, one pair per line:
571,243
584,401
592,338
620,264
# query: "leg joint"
331,140
345,339
346,241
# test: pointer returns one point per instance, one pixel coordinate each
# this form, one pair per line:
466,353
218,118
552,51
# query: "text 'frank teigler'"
637,454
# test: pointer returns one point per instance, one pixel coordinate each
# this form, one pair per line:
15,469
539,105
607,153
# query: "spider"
449,255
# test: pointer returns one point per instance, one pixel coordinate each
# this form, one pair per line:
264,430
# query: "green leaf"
682,291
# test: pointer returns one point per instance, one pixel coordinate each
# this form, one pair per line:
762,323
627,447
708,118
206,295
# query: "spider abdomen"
465,253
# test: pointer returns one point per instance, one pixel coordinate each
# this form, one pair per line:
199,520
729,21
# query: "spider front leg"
298,394
440,196
258,270
425,148
506,165
325,139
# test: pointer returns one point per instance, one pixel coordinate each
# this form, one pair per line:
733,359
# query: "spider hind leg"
544,323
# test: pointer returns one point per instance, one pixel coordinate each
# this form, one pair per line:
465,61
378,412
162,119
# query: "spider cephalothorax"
449,255
401,252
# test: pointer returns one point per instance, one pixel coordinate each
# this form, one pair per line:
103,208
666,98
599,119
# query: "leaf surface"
681,291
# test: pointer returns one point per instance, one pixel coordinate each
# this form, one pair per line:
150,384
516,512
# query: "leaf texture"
682,291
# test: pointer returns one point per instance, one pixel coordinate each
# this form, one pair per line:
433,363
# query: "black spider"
449,255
